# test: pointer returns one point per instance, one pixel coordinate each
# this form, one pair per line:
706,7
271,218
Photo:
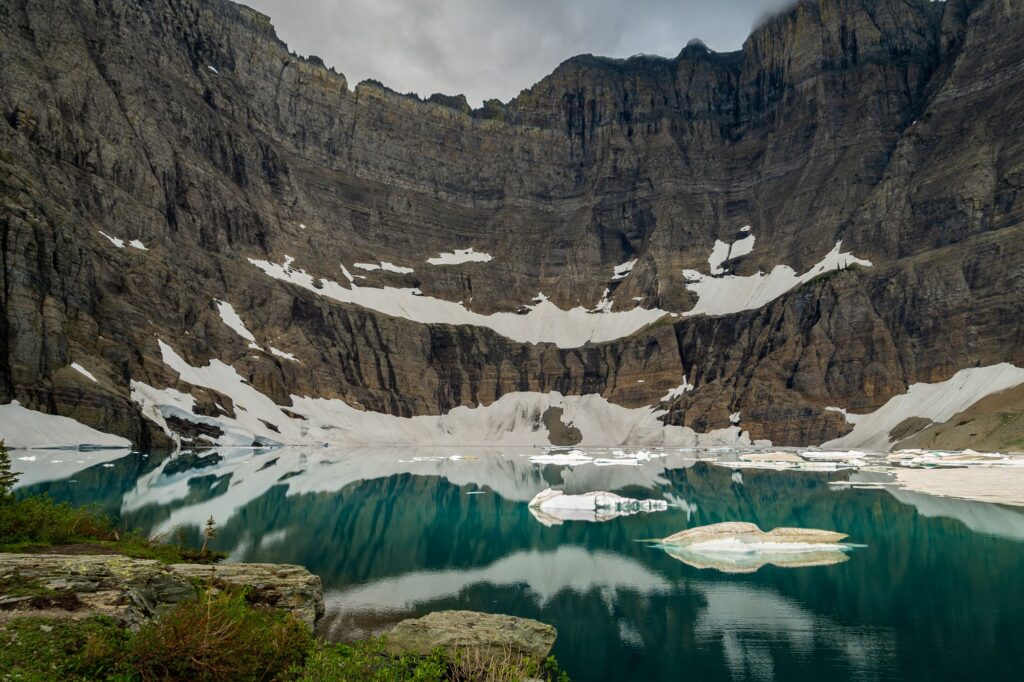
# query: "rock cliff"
821,219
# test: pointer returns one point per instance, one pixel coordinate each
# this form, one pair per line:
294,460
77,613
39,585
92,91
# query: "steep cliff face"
158,158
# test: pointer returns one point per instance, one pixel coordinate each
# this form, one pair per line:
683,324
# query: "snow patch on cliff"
459,256
723,251
622,271
543,322
938,402
84,372
732,294
233,321
21,427
384,265
677,392
119,243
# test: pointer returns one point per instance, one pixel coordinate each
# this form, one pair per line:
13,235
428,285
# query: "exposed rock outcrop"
132,591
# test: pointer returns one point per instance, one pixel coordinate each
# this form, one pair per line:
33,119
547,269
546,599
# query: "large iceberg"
554,507
738,547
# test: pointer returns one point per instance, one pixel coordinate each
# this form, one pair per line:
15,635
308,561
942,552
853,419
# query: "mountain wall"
822,219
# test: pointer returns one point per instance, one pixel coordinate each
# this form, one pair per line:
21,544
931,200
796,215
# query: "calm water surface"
934,594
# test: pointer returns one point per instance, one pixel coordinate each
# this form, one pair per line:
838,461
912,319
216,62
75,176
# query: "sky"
495,48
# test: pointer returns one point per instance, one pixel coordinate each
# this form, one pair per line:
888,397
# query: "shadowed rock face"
189,127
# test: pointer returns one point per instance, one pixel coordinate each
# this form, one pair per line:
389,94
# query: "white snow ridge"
514,419
938,402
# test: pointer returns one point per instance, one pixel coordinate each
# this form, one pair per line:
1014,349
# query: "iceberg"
738,547
554,507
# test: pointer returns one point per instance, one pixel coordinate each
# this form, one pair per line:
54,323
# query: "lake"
930,591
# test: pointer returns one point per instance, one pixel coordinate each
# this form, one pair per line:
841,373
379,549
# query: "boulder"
128,590
458,631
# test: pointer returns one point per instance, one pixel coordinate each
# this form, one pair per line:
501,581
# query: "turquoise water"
933,593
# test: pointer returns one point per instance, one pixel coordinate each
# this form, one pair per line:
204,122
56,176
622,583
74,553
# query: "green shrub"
41,520
38,650
213,637
367,661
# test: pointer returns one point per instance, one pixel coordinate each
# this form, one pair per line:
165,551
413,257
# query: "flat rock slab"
284,586
131,591
488,633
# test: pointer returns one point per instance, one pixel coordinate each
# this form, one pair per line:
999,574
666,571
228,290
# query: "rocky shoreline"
71,587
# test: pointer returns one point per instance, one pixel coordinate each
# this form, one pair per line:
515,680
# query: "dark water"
934,595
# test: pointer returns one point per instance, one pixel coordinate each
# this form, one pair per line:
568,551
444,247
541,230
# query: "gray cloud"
495,48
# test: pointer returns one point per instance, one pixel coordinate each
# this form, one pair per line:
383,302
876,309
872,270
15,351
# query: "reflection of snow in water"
42,466
507,472
750,622
545,575
746,622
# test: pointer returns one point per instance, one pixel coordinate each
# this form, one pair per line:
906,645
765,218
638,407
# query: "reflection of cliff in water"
934,590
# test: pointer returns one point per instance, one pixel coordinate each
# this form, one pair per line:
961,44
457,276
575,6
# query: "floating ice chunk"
232,320
743,464
83,371
622,271
459,256
119,243
553,507
136,244
855,457
938,402
571,457
788,457
737,547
